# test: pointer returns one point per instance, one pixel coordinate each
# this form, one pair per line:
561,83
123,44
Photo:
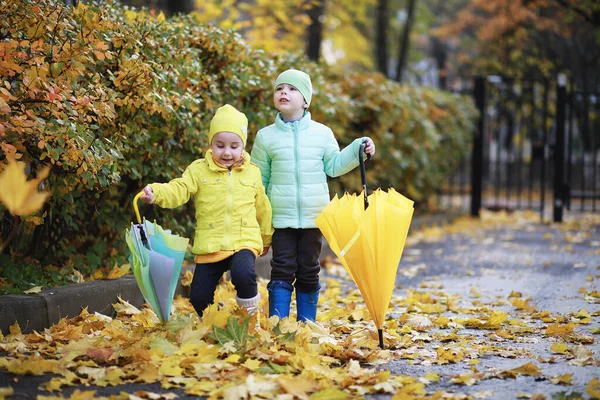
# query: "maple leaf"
466,379
33,290
297,386
559,348
593,388
559,330
170,367
528,369
252,365
564,379
147,372
101,354
20,196
117,272
163,345
235,335
495,320
583,316
329,394
186,280
583,356
284,336
125,307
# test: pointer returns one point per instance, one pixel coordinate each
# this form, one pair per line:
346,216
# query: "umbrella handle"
135,206
363,171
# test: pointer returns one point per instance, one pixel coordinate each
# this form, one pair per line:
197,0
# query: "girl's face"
227,148
289,102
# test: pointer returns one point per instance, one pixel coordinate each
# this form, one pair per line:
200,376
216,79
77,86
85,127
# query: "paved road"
549,264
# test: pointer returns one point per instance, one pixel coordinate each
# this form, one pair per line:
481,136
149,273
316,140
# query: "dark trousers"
296,258
207,276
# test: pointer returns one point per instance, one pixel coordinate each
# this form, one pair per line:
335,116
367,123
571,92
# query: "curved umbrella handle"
363,171
135,206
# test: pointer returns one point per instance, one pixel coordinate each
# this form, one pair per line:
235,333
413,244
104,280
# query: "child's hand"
148,196
369,147
265,251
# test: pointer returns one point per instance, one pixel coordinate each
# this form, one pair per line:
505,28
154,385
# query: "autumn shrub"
114,98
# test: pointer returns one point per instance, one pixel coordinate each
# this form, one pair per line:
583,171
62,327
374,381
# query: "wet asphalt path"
550,264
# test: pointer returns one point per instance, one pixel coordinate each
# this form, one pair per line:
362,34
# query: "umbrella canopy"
156,260
368,236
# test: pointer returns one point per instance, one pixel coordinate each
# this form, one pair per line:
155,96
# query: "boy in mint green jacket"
295,155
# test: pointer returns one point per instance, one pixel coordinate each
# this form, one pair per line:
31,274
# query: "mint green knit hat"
300,80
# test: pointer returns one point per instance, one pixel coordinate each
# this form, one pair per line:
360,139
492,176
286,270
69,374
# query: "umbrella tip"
380,331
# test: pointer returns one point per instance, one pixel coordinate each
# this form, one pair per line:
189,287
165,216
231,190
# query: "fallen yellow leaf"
33,290
564,379
117,272
559,348
593,388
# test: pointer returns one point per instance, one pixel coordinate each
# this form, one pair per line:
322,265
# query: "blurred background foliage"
113,97
432,42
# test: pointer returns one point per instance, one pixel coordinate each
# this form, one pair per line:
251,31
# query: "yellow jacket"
232,208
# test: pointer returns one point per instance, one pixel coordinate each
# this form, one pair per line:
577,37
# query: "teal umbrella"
156,260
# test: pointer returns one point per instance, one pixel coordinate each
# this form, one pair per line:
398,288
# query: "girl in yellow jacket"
233,213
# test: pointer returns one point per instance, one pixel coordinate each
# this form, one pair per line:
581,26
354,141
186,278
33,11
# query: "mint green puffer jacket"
294,159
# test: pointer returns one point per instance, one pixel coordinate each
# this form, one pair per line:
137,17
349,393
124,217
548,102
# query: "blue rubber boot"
307,305
280,296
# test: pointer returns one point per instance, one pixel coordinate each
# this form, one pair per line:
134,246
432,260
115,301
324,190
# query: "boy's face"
288,100
227,148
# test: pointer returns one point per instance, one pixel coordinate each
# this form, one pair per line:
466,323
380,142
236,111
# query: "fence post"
477,156
559,148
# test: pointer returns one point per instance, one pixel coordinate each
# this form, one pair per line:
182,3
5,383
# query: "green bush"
114,98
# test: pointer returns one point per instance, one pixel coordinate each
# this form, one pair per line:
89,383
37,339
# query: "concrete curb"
40,311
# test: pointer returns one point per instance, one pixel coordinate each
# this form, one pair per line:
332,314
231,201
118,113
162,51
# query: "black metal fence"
536,147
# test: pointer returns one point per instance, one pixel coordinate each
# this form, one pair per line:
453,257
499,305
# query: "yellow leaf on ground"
432,376
528,369
559,348
593,388
564,379
117,272
170,367
297,386
233,358
560,330
147,372
123,307
252,364
33,290
495,320
329,394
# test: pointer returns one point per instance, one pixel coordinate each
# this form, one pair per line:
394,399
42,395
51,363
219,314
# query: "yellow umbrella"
368,236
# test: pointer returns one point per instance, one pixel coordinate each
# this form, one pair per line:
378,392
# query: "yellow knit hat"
228,119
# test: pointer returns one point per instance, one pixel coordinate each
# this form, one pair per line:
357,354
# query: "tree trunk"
179,6
381,42
315,29
439,51
404,40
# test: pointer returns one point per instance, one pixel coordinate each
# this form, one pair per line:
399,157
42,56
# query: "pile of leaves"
227,354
